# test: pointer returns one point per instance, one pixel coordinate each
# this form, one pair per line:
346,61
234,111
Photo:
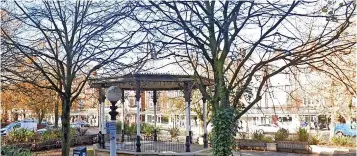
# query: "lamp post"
113,95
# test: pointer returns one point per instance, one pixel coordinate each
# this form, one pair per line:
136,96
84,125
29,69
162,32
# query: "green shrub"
314,140
302,135
174,132
119,126
21,135
51,134
210,137
267,139
16,151
258,136
281,135
72,132
147,129
343,141
261,137
130,129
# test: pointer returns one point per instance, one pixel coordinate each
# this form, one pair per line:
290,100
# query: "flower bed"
293,146
45,145
251,144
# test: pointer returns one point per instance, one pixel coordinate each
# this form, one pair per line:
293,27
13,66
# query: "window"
151,104
263,120
255,119
131,102
151,94
164,119
287,87
287,119
151,119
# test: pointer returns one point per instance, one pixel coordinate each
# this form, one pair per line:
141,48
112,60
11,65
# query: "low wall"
105,152
331,150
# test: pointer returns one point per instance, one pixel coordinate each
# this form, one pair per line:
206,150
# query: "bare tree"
329,87
242,39
66,42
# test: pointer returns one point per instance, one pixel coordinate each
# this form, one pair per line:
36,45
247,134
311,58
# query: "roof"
149,81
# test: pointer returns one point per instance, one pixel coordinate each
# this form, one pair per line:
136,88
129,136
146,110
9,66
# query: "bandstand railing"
163,144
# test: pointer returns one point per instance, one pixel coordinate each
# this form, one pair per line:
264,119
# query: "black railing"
163,144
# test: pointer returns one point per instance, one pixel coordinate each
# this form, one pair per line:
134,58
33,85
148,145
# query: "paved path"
267,153
270,153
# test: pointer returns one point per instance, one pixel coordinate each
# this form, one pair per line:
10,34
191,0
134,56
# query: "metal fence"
163,144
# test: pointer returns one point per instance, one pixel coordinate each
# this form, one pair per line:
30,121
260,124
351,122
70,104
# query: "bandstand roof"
149,81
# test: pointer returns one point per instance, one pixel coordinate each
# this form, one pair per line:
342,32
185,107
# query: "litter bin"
80,151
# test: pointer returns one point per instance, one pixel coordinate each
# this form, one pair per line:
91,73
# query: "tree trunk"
223,132
41,116
332,126
38,113
332,102
56,113
65,126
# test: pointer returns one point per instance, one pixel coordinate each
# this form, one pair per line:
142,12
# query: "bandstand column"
187,92
122,116
137,102
155,121
102,130
205,141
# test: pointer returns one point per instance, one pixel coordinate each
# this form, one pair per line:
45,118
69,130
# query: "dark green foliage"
129,129
314,140
223,132
302,135
281,135
16,151
51,135
174,132
21,135
262,137
147,129
258,136
343,141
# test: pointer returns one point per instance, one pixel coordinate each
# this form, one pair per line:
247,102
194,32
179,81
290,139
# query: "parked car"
80,124
43,130
6,130
270,128
345,130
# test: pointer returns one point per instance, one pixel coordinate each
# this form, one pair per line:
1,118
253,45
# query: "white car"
266,128
6,130
79,124
26,124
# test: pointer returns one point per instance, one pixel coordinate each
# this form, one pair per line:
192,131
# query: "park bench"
251,144
292,146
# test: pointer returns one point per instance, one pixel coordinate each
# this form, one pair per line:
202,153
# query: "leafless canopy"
244,43
65,42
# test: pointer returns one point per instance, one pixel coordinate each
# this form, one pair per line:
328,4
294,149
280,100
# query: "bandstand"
155,82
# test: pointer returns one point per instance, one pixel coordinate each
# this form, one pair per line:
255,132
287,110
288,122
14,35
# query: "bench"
251,144
290,146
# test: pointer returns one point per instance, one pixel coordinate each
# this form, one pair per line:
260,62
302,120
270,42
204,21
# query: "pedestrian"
312,126
316,126
353,125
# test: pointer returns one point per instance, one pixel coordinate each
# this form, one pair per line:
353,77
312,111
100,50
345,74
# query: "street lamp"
113,95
